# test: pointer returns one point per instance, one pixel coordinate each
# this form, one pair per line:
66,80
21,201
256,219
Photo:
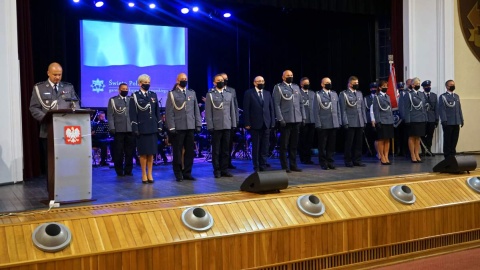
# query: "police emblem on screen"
97,85
469,15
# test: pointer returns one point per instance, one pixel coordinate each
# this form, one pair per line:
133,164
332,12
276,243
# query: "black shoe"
295,169
359,164
129,174
150,181
217,175
385,163
230,166
226,174
262,169
179,179
268,165
288,170
325,167
189,177
349,164
331,166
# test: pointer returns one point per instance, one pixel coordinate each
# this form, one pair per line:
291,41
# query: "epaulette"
190,90
66,83
39,83
211,90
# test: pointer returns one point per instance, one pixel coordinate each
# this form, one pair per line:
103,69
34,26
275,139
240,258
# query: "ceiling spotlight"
195,9
131,4
227,15
51,237
311,205
98,3
184,10
152,5
197,219
403,194
76,1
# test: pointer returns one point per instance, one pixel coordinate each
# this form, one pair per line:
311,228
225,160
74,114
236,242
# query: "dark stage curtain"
397,38
29,124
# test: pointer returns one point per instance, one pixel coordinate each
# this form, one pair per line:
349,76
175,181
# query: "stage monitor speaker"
456,164
265,182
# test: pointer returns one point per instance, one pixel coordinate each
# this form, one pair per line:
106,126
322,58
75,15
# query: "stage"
108,188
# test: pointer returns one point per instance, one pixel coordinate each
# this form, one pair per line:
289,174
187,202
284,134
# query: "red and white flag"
392,87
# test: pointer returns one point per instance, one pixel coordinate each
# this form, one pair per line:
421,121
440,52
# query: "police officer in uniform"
232,91
183,118
353,120
451,117
307,131
432,117
415,114
370,133
290,114
52,94
401,136
382,120
121,128
221,118
146,124
327,121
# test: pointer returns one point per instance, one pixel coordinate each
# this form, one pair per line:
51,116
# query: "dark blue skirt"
147,144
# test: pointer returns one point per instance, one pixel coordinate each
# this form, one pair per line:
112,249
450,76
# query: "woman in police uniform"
146,124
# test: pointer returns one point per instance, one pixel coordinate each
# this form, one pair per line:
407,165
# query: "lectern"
69,155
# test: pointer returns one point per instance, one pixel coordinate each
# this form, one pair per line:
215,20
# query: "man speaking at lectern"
52,94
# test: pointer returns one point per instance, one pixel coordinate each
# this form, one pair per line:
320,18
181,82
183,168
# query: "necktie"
260,95
183,92
329,94
428,95
55,88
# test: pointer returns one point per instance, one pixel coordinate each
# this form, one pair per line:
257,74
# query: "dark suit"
259,116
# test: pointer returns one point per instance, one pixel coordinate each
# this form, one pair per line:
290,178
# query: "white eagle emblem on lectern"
72,134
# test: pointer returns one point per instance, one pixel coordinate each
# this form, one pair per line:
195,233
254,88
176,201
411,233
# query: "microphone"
73,100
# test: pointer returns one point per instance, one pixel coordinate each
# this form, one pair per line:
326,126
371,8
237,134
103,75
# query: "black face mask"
183,84
306,86
355,86
416,87
427,89
123,93
225,81
260,86
373,92
145,86
452,88
220,85
289,79
384,90
328,86
410,87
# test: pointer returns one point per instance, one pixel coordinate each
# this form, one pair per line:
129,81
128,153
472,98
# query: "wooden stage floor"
108,188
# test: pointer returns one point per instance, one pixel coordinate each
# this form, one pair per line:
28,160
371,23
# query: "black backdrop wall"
334,38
